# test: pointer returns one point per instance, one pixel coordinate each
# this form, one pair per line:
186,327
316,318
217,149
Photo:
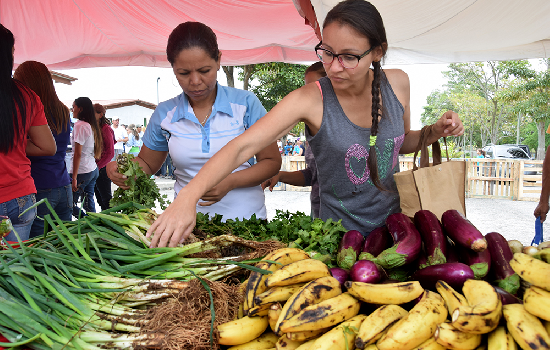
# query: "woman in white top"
87,143
134,141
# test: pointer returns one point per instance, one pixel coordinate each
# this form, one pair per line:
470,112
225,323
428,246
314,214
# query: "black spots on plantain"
315,314
317,290
406,287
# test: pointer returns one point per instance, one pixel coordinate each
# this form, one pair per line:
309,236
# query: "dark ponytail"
372,161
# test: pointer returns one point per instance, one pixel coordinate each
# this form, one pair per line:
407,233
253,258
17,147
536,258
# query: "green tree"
531,95
273,81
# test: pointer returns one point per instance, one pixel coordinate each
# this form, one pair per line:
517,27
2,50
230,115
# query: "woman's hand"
448,125
216,193
541,210
271,182
175,224
116,177
74,184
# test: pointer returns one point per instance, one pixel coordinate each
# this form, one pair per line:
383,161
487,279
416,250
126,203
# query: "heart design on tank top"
356,164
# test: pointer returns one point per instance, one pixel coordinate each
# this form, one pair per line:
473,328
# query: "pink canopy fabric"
66,34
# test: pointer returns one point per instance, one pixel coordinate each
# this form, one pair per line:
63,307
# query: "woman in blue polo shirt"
193,126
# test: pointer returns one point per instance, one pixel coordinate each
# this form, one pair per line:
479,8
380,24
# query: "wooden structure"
485,178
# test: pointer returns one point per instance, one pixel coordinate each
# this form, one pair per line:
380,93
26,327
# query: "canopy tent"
67,34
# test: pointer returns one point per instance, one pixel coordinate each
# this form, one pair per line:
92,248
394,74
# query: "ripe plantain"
453,299
537,301
260,310
312,293
484,309
418,326
298,272
264,341
527,330
452,338
327,313
306,335
377,322
499,339
341,337
256,281
287,344
273,315
384,294
241,331
532,270
277,294
430,344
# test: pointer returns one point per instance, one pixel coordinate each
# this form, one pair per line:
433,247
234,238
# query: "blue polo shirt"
173,127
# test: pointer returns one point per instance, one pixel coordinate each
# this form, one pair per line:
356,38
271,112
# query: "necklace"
206,117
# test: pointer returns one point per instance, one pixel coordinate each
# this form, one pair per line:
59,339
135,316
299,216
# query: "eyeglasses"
347,60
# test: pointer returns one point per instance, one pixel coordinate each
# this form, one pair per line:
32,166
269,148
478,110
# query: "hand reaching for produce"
174,225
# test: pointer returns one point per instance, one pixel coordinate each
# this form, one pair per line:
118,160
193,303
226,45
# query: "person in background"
24,132
280,146
167,168
121,136
288,148
480,154
357,123
307,176
139,129
49,172
87,145
196,124
102,188
298,149
542,207
134,141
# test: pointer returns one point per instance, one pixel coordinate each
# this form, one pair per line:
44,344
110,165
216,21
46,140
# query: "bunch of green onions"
87,284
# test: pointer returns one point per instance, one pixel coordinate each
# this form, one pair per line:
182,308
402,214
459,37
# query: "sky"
140,83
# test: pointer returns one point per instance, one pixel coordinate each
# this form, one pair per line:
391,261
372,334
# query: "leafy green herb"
143,190
319,238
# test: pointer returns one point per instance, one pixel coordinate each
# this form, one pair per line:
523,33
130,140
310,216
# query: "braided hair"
363,17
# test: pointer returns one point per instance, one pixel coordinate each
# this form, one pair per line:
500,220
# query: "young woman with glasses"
357,123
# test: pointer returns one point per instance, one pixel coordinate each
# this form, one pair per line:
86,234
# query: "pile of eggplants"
427,250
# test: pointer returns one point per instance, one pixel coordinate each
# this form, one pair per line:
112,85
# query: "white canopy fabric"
445,31
66,34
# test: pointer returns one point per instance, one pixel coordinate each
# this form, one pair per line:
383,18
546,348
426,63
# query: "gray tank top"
341,149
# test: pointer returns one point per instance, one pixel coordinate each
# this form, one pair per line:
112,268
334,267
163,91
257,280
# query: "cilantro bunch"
143,190
319,238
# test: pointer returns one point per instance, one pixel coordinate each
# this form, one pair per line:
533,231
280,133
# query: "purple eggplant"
479,262
377,240
340,274
455,274
462,231
365,271
406,242
507,298
435,241
501,254
349,249
452,255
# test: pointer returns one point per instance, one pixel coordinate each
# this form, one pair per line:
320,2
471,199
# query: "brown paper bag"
437,188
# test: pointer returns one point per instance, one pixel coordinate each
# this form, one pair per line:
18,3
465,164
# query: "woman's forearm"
294,178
